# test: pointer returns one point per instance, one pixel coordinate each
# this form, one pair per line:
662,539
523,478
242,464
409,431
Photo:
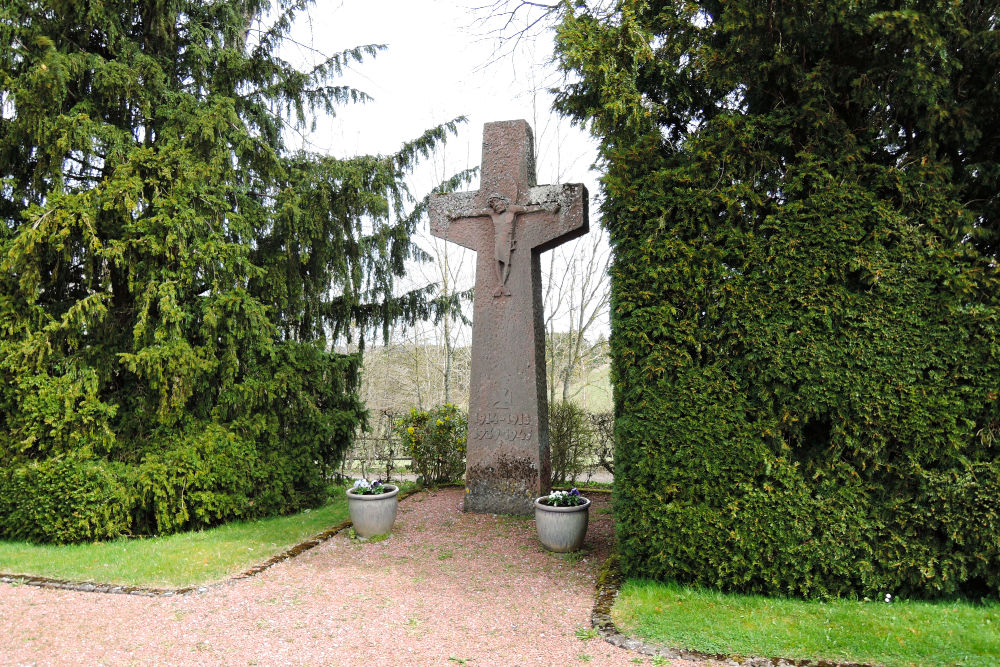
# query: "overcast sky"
436,67
440,63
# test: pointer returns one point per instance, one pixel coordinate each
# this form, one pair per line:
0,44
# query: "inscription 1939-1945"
501,425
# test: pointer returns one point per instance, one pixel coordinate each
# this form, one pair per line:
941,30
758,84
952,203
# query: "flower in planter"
363,487
570,498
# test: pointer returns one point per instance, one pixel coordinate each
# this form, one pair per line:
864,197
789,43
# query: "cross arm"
454,216
565,208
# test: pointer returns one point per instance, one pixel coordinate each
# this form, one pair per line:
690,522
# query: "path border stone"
609,581
146,591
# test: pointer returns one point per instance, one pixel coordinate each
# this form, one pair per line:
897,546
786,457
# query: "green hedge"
63,500
804,205
262,453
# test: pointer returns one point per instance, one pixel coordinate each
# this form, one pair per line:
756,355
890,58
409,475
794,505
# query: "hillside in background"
407,375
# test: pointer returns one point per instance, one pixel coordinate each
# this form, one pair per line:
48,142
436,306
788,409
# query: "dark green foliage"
572,441
436,441
803,200
172,276
204,476
63,500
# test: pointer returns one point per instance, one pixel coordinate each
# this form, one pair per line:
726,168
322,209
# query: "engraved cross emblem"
509,221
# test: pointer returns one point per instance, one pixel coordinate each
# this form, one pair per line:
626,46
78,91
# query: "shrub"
805,290
376,447
63,501
604,432
571,441
271,457
171,308
436,442
206,477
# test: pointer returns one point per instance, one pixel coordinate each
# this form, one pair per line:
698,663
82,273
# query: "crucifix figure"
504,217
509,221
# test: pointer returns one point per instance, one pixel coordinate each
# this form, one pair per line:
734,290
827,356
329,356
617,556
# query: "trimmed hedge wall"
271,458
63,500
803,205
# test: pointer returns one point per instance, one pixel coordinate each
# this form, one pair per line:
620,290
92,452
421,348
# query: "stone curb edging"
122,589
91,587
609,581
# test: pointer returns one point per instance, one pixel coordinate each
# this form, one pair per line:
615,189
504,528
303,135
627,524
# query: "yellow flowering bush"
435,440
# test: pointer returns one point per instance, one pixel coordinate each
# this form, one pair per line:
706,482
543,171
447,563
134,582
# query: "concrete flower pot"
373,515
562,529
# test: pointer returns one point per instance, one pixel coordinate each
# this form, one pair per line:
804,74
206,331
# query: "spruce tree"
173,274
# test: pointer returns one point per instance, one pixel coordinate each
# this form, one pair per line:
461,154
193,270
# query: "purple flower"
574,492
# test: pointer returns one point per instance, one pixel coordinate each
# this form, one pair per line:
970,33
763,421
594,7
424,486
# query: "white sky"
440,64
435,69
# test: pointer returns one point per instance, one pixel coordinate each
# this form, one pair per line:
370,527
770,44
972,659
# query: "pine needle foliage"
803,200
172,275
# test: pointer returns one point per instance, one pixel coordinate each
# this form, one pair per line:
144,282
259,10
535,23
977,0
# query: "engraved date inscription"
504,417
501,425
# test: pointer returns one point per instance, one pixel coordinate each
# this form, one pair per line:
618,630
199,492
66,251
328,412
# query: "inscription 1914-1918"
502,426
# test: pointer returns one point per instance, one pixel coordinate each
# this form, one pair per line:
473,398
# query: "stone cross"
509,221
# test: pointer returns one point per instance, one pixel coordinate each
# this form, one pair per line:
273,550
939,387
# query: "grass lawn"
900,633
185,559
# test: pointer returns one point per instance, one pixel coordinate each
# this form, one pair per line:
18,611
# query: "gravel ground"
447,588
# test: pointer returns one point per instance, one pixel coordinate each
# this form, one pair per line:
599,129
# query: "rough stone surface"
509,221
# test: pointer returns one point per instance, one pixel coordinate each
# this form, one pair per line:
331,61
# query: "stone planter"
373,515
562,529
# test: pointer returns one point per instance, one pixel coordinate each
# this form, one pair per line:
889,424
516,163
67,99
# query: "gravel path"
447,588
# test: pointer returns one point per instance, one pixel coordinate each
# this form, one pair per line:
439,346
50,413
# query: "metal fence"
378,451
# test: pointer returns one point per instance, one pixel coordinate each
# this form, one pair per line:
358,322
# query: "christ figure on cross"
504,217
507,456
